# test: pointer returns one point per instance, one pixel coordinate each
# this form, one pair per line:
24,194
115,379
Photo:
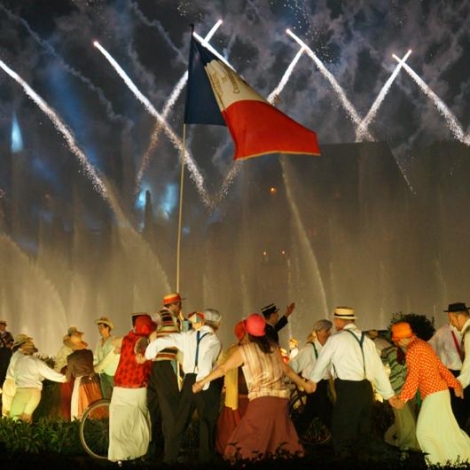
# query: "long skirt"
228,420
129,424
61,400
438,432
265,431
86,390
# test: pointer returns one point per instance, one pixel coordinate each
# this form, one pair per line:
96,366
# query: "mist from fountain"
29,299
305,285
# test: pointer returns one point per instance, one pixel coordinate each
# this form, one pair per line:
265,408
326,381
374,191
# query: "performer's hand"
310,386
197,387
396,403
140,358
458,391
290,308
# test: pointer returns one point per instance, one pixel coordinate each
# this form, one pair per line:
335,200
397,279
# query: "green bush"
42,436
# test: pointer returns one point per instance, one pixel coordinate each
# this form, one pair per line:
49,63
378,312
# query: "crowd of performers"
168,366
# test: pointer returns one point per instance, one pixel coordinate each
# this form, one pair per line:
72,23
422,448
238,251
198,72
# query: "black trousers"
460,407
163,399
318,405
352,416
207,404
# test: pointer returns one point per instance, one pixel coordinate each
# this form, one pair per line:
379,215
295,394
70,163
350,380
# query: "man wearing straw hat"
9,388
356,365
105,360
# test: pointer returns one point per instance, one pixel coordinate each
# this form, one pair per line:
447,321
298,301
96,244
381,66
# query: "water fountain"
344,228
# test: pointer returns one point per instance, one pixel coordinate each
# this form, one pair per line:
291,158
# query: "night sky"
49,44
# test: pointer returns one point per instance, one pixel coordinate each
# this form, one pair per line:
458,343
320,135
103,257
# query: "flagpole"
180,215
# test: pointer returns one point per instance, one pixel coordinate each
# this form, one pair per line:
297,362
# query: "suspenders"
315,349
196,360
360,342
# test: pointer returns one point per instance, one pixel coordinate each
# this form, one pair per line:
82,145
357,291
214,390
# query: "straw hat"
21,339
105,321
344,313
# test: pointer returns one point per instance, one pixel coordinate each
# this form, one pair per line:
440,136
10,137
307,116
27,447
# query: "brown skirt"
89,391
265,431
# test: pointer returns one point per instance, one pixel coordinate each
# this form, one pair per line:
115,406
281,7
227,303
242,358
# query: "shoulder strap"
199,338
360,342
314,349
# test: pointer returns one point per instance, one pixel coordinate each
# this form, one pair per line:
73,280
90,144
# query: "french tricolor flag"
218,95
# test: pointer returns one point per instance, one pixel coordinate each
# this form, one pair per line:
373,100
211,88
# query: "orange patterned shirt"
425,372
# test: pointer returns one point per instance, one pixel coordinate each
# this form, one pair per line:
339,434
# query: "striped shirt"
263,373
168,324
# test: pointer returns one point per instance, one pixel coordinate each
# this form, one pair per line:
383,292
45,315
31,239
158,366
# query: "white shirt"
443,343
30,371
105,359
464,377
186,342
343,355
11,365
306,359
61,357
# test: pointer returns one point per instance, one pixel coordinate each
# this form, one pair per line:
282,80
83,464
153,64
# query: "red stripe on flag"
259,128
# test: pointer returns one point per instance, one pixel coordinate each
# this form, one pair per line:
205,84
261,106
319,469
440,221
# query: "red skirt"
227,422
265,431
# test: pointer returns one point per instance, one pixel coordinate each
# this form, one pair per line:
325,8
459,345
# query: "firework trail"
160,28
363,126
102,98
175,94
327,74
285,78
451,120
62,128
194,171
